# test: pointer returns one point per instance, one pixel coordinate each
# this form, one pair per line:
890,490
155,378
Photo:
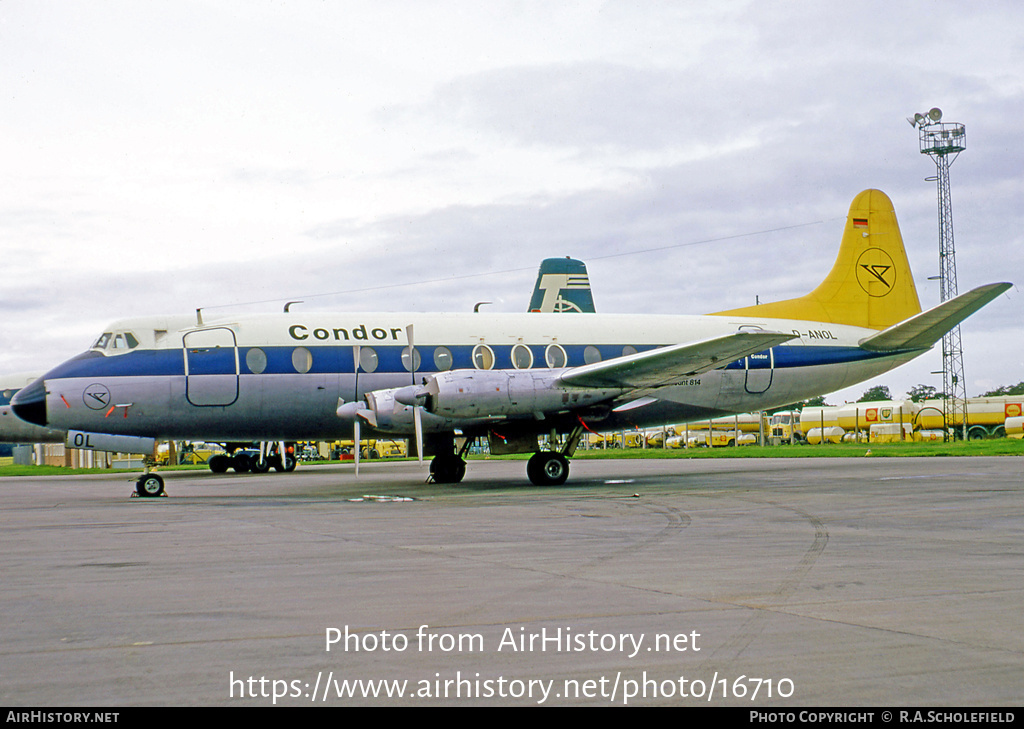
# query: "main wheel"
548,468
241,463
149,485
447,469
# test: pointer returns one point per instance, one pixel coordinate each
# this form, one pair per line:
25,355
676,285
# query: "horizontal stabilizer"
669,365
928,327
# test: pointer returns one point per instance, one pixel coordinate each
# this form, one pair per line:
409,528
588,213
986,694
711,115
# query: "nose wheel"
149,485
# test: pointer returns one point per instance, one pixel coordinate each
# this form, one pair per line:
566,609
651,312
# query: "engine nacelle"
462,394
462,398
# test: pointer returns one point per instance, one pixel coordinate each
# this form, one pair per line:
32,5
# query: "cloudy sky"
163,156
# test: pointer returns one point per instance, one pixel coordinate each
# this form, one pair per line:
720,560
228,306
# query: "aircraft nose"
29,403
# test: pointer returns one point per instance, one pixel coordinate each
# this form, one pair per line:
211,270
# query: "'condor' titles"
360,333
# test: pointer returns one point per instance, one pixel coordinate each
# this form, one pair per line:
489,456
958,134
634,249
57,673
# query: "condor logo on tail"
876,272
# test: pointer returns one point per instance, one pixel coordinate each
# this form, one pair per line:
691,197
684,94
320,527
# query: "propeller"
355,362
417,421
355,412
355,398
417,410
355,435
412,353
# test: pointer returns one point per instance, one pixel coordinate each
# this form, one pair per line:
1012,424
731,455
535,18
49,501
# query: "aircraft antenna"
943,142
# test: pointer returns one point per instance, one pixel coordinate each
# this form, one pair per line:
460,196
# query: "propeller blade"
417,419
412,353
355,357
355,435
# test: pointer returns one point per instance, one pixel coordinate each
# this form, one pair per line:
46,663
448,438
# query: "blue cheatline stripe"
338,359
787,357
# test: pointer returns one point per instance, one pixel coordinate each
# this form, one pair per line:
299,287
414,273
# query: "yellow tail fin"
870,284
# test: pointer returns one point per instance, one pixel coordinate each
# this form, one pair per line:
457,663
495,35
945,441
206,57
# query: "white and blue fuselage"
282,376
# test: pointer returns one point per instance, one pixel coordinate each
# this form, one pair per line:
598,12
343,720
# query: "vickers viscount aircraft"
562,286
504,377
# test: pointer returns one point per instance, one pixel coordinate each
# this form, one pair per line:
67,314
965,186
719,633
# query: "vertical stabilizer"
562,286
870,284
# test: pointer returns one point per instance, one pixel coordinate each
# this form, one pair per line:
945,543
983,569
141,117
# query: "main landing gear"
551,468
450,467
447,468
545,468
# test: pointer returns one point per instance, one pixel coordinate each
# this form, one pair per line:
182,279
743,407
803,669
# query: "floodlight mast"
943,142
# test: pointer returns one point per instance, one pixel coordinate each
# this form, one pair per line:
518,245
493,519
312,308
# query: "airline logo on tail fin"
875,278
562,287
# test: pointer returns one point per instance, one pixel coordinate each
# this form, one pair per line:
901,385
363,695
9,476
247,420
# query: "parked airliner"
562,286
504,377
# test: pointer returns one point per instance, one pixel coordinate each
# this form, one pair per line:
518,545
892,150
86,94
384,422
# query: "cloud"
696,156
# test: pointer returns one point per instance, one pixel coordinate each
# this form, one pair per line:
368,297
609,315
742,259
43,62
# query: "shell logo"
871,415
1012,409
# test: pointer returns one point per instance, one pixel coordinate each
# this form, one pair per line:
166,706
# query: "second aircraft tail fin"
562,286
870,284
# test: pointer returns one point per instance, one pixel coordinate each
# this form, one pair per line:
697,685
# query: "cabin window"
591,354
522,357
555,356
411,359
483,357
443,359
368,359
302,360
256,360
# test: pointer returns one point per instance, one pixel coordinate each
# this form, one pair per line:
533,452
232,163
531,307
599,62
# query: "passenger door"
211,367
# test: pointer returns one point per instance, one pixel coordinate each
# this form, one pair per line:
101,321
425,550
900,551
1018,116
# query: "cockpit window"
116,342
125,341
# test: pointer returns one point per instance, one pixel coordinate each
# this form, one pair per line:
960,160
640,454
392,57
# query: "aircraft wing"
669,365
925,329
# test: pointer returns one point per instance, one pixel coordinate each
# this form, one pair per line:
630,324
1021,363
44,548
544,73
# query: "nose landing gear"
149,484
